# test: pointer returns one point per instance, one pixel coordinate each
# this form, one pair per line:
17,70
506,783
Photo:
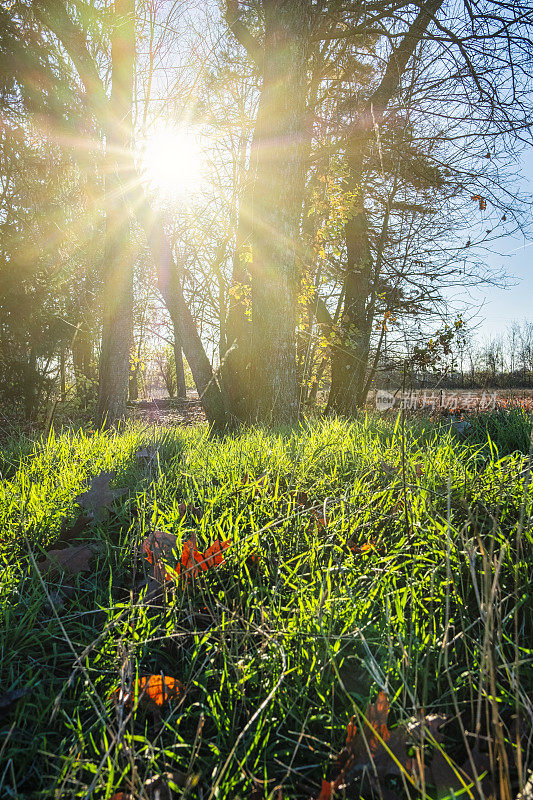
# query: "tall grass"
275,651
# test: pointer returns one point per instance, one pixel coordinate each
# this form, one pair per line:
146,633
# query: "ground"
366,557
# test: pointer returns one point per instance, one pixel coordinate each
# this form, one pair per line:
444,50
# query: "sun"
172,161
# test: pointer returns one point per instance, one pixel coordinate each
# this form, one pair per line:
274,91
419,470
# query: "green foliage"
309,629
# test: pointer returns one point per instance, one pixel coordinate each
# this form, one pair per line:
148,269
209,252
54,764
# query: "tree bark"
351,349
118,256
279,164
207,385
62,373
237,361
351,343
181,390
82,355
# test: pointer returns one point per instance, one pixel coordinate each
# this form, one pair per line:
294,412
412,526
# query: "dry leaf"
366,547
429,725
320,519
159,549
379,752
99,498
388,469
192,560
154,691
159,544
71,559
147,454
376,715
302,499
195,512
68,533
446,777
369,748
326,790
9,699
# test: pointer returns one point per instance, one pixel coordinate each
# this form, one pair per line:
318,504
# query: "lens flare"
172,161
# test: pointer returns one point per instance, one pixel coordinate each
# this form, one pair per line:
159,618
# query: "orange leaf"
213,555
320,519
366,547
376,715
325,791
155,690
351,731
161,546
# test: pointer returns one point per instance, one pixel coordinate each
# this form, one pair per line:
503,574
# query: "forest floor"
168,411
340,610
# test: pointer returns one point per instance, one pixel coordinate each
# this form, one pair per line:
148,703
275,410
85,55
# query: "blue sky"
498,307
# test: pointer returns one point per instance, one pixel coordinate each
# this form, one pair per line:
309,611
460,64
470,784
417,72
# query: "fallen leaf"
71,559
213,555
371,747
99,498
302,499
326,790
186,508
430,724
68,533
398,507
147,454
153,691
9,699
159,549
320,519
366,547
159,544
387,468
376,715
447,777
192,560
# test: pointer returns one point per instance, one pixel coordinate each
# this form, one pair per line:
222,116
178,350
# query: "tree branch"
241,32
55,17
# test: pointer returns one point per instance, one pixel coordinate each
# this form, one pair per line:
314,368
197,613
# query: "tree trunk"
278,167
351,343
29,387
207,386
181,390
62,374
237,361
118,256
133,384
82,354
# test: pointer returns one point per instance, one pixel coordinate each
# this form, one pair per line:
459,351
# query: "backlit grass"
281,643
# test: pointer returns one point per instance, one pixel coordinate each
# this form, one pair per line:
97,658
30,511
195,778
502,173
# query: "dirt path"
167,411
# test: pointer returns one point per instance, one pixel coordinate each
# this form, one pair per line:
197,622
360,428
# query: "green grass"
441,617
